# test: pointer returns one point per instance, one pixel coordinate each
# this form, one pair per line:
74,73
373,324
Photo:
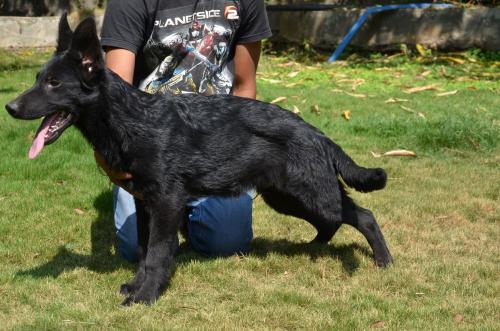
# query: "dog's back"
181,147
259,135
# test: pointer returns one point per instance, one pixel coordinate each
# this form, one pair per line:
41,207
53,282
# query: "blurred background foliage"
47,7
55,7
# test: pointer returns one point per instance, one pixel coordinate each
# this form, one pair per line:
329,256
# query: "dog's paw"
129,301
126,289
384,262
146,294
133,299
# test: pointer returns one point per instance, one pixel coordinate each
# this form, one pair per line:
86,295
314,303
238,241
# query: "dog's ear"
86,49
65,34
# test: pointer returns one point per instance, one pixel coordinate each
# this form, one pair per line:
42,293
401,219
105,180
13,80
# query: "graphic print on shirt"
191,48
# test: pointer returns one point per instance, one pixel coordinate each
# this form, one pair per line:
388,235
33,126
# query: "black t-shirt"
184,46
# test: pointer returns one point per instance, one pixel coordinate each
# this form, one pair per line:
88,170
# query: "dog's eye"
53,82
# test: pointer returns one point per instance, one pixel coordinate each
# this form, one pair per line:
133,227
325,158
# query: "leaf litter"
278,99
315,110
396,152
444,94
409,110
421,88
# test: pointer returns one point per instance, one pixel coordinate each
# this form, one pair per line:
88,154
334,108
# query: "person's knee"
125,224
221,226
217,226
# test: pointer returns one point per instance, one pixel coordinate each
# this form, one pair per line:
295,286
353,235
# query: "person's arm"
122,62
246,59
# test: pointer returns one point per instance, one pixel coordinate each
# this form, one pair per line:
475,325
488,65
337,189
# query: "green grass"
439,213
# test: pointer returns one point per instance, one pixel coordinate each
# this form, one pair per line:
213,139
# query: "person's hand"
116,177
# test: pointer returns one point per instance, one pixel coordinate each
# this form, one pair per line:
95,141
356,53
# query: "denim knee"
221,226
217,226
125,224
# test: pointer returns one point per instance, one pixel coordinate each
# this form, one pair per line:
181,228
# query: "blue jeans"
217,226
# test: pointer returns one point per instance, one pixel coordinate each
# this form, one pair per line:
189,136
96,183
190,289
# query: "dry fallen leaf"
395,100
290,84
412,111
356,95
400,152
378,325
396,152
426,73
470,59
444,94
293,74
465,79
453,59
421,49
79,211
346,114
278,99
443,72
339,75
489,74
315,109
355,82
295,110
421,88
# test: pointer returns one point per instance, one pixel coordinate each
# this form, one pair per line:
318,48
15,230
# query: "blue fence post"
377,9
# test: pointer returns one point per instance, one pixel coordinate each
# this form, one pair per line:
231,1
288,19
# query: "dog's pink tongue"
39,141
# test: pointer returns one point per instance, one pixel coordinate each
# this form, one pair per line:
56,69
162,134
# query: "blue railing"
377,9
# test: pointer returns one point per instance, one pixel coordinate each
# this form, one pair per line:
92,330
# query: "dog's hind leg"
364,221
165,216
143,235
289,205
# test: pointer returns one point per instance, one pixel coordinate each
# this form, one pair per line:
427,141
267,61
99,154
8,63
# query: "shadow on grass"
262,247
103,260
344,253
7,89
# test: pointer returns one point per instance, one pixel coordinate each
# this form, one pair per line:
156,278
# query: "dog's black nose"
12,107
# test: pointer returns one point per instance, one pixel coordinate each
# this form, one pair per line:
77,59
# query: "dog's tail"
360,178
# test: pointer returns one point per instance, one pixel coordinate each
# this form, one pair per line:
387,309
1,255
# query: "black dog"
179,148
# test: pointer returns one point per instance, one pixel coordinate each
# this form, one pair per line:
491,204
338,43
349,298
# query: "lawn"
439,213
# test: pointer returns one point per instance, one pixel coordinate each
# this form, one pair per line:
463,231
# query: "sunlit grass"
439,214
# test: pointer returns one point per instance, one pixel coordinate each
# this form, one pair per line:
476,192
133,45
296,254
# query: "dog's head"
65,84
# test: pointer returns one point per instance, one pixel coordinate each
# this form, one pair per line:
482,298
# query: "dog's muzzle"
13,108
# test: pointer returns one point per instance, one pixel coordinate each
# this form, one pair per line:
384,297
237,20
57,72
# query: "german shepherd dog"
179,148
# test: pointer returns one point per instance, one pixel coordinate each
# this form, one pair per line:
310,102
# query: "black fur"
179,148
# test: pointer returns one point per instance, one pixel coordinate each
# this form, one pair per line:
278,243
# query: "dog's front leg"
143,237
165,214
